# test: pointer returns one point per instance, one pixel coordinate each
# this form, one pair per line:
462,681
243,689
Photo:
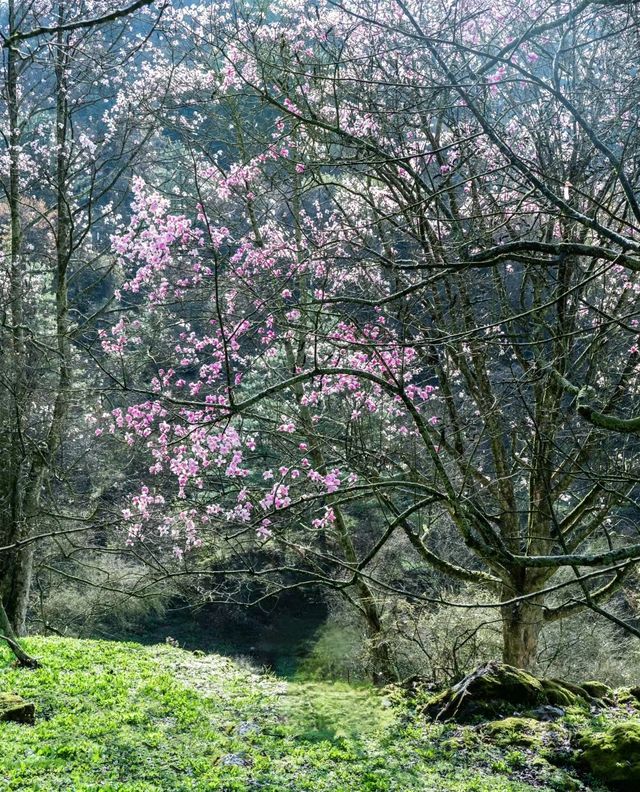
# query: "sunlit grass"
126,718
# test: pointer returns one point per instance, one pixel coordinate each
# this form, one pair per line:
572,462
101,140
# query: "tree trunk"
15,587
28,468
383,667
15,564
521,626
7,634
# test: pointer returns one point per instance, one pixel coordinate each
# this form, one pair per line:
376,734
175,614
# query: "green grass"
120,717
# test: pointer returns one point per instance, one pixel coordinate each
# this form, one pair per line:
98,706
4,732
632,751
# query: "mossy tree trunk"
15,588
521,627
381,659
8,635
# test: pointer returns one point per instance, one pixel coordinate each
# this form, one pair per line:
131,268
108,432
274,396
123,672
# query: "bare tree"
63,184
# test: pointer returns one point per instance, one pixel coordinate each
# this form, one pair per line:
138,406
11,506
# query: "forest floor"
120,717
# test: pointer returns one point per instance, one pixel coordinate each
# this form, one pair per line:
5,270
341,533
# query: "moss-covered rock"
492,689
14,708
634,693
497,689
416,685
565,694
514,731
465,739
624,697
561,694
598,690
563,782
614,755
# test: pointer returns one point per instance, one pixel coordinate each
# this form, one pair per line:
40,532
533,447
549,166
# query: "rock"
634,692
614,755
598,690
497,689
513,731
547,713
247,727
563,782
14,708
235,760
488,691
564,694
415,684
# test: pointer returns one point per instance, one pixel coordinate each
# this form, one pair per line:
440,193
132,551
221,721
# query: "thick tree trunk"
383,667
15,587
7,634
16,562
521,626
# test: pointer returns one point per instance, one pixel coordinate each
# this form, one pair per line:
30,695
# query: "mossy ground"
615,754
122,717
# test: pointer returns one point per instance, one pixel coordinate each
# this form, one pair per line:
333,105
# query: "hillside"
126,718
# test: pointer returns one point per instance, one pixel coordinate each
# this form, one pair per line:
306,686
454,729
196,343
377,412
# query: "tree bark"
14,566
521,627
16,588
7,634
29,465
383,667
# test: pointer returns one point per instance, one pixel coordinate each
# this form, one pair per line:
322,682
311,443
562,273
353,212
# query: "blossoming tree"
382,284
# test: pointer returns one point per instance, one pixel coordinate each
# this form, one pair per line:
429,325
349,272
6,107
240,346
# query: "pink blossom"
263,531
287,427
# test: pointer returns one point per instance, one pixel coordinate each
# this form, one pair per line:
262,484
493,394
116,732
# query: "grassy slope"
125,717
